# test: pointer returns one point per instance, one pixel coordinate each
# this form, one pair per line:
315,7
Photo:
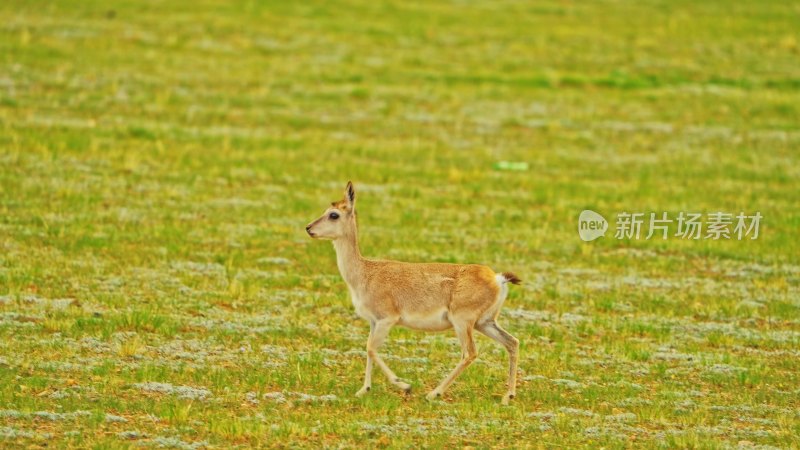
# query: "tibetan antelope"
420,296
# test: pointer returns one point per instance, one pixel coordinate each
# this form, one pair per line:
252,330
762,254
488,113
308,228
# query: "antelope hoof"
362,391
404,386
433,395
507,398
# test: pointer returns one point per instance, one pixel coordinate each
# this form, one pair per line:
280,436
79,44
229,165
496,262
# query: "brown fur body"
423,296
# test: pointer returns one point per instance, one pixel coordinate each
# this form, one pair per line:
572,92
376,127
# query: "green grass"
159,161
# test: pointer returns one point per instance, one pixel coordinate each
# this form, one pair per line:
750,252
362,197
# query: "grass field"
159,161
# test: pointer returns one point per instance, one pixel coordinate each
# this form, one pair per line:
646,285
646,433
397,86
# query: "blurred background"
119,119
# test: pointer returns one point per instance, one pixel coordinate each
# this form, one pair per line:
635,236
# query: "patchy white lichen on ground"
287,396
185,392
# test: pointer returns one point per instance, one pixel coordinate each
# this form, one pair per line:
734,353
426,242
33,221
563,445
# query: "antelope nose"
308,227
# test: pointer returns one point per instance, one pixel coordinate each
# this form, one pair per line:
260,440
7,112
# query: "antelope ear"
350,196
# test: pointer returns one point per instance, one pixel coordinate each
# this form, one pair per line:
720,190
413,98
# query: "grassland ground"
159,160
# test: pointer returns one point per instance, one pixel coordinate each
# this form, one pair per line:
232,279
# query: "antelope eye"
334,216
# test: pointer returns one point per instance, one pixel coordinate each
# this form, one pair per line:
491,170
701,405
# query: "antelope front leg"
377,334
368,377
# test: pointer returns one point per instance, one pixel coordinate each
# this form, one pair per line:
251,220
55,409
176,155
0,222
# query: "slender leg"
368,377
376,338
468,354
493,330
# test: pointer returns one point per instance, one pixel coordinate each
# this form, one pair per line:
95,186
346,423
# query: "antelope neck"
348,257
